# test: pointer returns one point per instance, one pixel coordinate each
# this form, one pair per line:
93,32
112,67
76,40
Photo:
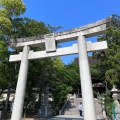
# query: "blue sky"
70,14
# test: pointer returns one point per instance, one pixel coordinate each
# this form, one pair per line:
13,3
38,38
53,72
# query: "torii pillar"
86,84
49,41
21,86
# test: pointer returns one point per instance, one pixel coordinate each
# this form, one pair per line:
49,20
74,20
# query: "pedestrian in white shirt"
80,108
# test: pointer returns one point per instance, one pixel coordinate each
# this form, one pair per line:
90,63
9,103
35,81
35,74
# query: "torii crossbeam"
50,40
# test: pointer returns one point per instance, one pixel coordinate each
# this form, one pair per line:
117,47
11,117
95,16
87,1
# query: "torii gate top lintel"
89,30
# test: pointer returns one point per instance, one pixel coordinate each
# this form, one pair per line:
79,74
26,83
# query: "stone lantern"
115,96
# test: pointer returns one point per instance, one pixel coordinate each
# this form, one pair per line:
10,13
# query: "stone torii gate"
50,40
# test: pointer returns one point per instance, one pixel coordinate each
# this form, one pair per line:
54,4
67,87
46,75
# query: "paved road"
59,117
69,117
65,117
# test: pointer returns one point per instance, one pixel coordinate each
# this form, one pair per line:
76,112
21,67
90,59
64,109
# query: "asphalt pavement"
66,117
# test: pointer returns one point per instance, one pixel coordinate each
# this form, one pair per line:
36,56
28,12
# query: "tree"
108,103
60,83
42,72
25,27
110,58
95,72
8,9
38,69
72,76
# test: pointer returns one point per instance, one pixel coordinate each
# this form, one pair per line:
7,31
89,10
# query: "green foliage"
107,101
3,51
60,95
115,21
63,91
5,24
9,9
112,76
3,12
95,72
42,72
4,65
13,7
3,80
53,29
58,64
71,75
25,27
110,58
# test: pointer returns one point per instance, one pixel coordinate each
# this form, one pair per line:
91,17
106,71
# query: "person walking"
80,108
